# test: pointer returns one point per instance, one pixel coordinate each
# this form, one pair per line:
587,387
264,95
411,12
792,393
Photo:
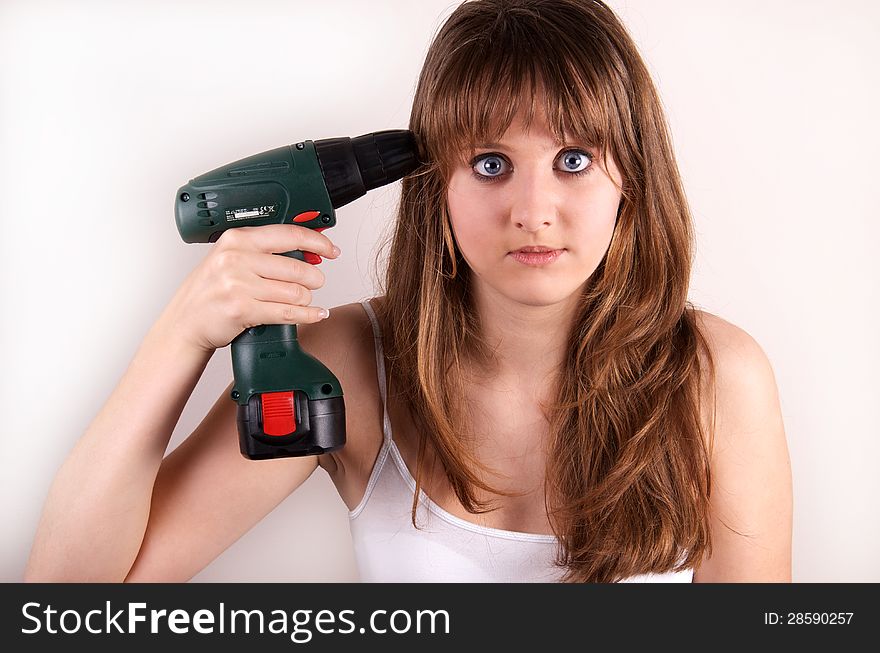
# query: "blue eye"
488,167
491,164
573,158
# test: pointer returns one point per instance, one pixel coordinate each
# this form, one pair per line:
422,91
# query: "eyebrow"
502,146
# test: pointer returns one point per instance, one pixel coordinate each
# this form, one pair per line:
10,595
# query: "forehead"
522,133
463,117
529,127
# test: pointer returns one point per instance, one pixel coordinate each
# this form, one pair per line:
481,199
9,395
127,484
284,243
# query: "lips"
536,256
534,250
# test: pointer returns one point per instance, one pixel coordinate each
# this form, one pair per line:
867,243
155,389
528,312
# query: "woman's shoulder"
751,474
344,343
739,397
722,334
741,364
345,338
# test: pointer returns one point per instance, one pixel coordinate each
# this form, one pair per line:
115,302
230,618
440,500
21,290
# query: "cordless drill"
289,403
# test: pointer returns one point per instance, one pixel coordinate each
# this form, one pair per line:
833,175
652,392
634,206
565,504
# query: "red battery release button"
279,413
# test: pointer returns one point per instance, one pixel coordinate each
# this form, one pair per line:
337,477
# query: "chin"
545,292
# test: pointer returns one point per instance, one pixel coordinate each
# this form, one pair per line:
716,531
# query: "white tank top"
445,548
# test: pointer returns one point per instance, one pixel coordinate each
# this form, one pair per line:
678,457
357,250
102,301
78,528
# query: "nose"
532,200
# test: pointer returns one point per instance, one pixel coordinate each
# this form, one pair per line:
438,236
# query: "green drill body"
289,403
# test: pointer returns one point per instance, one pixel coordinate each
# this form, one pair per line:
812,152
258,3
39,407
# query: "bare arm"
207,495
751,494
98,504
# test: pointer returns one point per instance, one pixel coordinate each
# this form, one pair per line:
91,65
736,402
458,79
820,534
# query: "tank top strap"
380,368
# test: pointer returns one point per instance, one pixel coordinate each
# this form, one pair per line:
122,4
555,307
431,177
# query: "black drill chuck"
352,166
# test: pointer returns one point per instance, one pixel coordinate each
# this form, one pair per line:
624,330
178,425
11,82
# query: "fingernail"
336,251
324,313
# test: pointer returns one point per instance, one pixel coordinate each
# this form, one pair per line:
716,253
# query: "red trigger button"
305,216
312,258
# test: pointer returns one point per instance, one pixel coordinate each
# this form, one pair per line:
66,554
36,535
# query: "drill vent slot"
207,196
207,205
260,168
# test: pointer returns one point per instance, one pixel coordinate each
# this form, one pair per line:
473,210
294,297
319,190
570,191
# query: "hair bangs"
477,96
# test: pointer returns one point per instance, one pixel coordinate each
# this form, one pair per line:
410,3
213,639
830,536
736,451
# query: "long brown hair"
627,478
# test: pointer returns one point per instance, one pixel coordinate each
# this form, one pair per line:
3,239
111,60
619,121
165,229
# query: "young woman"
560,416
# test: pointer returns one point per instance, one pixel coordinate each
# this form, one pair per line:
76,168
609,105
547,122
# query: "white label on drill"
233,215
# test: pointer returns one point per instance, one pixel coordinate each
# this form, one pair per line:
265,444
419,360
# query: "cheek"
471,222
594,232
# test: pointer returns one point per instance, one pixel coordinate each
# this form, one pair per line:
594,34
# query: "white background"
106,108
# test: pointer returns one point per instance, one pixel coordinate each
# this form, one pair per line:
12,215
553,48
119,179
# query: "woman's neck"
529,342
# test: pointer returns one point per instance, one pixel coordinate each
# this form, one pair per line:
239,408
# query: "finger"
276,313
284,268
280,238
281,292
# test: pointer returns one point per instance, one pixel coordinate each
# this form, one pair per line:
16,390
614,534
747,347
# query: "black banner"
321,616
